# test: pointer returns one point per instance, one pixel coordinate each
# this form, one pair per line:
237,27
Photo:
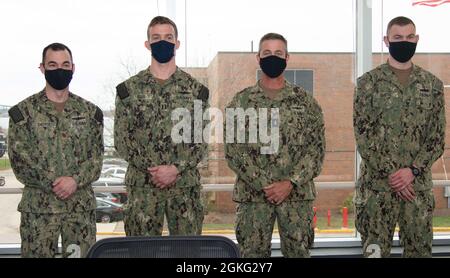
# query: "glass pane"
432,54
10,217
325,69
290,76
220,54
305,79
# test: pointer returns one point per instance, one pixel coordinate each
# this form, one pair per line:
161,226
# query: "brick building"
330,77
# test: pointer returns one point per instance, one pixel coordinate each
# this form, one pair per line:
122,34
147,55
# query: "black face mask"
59,79
402,51
272,66
162,51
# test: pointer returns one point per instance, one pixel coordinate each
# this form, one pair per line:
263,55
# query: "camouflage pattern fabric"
377,214
255,222
40,233
396,127
300,154
45,145
298,159
144,213
142,136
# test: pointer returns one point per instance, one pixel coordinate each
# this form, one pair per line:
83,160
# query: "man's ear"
417,38
41,67
386,41
147,45
258,59
177,45
73,68
287,57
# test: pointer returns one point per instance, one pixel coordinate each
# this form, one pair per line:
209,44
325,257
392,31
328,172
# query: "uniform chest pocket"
424,101
388,109
385,102
423,109
182,100
79,128
294,117
46,136
144,113
293,126
45,130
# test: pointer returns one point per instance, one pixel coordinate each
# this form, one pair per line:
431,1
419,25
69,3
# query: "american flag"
430,3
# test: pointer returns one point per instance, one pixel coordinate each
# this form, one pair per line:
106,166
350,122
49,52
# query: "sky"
105,35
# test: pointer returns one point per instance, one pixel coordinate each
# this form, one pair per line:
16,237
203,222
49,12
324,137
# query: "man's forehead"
405,29
57,55
272,44
162,29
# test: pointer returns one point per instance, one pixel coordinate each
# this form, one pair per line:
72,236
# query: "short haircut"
56,46
272,36
162,20
399,20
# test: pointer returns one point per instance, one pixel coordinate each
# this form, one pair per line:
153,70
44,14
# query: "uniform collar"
415,76
257,92
147,77
48,106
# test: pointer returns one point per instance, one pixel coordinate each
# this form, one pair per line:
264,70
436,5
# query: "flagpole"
382,31
185,33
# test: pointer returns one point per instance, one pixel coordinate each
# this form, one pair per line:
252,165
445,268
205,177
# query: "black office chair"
165,247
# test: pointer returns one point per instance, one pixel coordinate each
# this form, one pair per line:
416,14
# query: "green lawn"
4,164
336,223
441,221
213,226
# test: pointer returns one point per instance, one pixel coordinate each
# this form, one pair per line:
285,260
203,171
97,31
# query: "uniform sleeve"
121,126
366,127
90,168
195,152
242,163
25,161
433,145
310,160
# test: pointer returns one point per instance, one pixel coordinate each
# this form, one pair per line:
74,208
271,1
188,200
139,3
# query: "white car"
115,172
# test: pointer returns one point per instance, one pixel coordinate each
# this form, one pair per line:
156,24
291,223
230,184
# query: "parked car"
2,149
107,211
112,197
111,182
114,162
115,172
2,152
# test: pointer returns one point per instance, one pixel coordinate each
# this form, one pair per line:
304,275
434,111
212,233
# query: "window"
432,54
220,53
299,77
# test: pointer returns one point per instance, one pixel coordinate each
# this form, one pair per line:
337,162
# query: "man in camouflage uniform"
56,148
279,185
399,124
162,176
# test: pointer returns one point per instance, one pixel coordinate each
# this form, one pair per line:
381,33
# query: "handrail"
222,187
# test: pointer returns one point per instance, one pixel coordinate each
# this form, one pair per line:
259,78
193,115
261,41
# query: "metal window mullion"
363,53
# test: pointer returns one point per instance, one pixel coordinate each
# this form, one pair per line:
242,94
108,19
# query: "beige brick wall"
230,72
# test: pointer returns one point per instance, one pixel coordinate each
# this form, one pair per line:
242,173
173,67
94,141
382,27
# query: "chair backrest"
165,247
